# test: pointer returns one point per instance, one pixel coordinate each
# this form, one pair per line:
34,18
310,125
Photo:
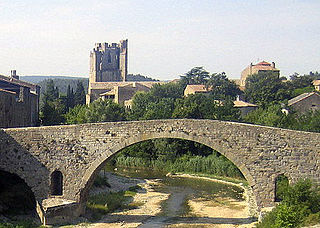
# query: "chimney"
14,74
273,65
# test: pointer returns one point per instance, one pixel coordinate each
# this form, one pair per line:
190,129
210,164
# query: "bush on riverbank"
212,164
103,203
20,224
300,205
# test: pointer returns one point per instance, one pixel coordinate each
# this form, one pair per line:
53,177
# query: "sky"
166,37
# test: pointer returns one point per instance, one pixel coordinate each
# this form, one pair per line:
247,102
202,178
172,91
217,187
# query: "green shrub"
101,181
300,205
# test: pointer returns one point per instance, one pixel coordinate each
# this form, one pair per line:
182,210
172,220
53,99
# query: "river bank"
175,207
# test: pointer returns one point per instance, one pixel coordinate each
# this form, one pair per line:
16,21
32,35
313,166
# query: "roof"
196,88
301,97
264,63
19,82
239,104
316,82
6,91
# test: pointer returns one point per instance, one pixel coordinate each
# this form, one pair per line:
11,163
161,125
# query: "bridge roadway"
59,163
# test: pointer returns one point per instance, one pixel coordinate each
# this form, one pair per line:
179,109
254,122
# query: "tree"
69,99
265,87
52,92
52,110
196,75
104,111
80,94
77,115
199,106
221,87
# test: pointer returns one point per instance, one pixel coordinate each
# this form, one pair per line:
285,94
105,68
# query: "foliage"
104,110
52,110
282,183
20,224
309,121
301,203
222,87
196,75
139,78
80,94
269,116
265,87
100,181
175,155
77,115
199,106
103,203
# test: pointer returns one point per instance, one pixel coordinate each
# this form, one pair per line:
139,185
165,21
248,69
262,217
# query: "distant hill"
62,82
37,79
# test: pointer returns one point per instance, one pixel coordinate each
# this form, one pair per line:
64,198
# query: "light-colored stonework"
108,74
80,151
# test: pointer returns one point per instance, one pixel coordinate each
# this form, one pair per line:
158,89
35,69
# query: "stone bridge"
59,163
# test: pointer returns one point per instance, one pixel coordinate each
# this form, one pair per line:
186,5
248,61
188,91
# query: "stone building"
19,102
195,89
305,102
255,69
108,74
316,84
244,106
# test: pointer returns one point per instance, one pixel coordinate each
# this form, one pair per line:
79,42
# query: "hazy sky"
166,37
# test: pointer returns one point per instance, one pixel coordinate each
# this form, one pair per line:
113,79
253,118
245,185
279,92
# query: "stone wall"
18,110
80,151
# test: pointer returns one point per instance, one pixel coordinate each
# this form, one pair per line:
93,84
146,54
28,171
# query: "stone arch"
23,199
91,173
56,183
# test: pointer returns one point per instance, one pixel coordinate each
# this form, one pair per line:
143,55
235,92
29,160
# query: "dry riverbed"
157,209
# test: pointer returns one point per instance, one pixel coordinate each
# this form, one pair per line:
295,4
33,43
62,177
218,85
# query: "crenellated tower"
109,62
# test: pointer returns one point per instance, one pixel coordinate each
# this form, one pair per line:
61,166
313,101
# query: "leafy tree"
159,110
52,109
51,113
264,88
169,90
52,92
104,111
70,98
196,75
80,94
221,87
199,106
299,202
77,115
309,121
270,116
140,102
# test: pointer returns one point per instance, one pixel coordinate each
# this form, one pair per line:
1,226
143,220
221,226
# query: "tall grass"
212,164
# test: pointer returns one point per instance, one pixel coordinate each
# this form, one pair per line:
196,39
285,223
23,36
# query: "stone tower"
109,63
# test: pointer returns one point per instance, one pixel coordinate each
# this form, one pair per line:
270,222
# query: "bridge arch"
94,169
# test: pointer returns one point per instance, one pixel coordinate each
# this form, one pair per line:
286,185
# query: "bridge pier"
53,211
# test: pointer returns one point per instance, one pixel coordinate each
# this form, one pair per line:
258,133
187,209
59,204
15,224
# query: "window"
56,183
281,185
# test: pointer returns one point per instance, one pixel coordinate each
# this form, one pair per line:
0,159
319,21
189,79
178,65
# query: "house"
19,102
305,102
255,69
316,84
124,92
244,107
195,89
